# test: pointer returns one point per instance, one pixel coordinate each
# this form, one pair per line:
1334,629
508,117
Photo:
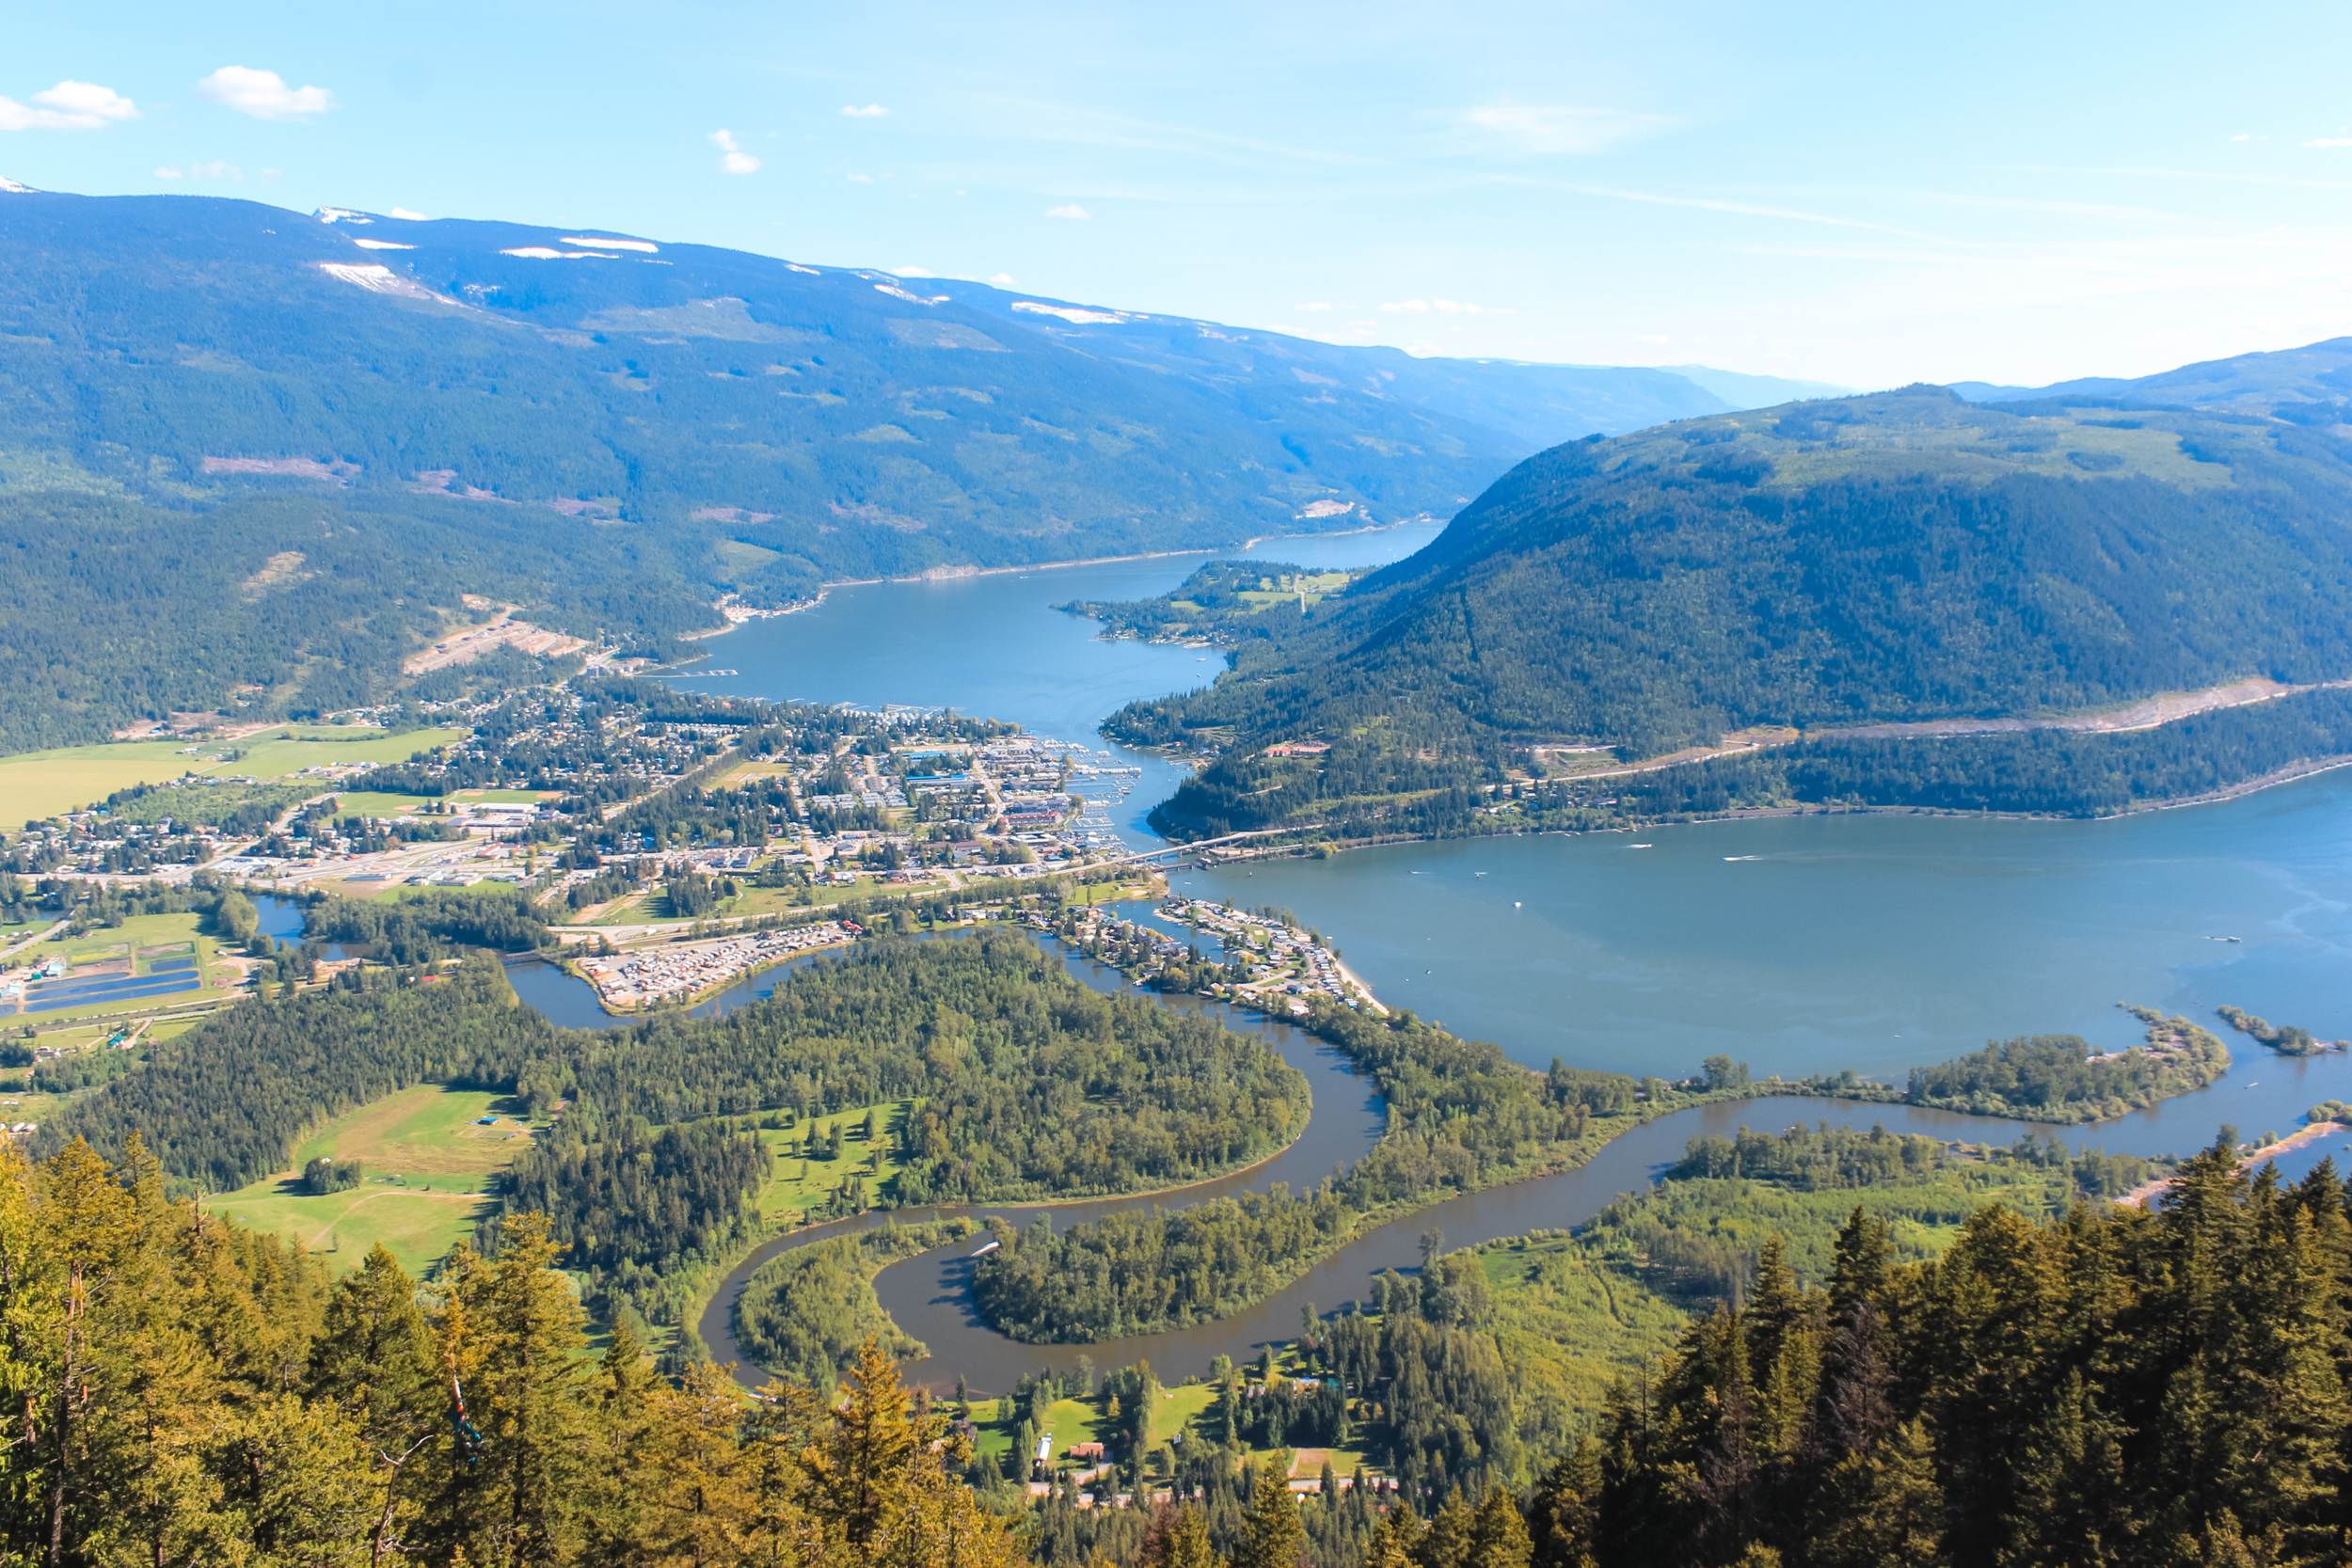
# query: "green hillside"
242,447
1889,558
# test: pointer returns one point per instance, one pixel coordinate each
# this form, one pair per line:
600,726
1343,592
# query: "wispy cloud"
732,157
264,94
871,111
910,272
2331,141
70,106
1071,211
1316,305
862,179
167,172
412,217
1004,280
1555,130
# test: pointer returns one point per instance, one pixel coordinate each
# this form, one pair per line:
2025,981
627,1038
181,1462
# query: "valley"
1026,958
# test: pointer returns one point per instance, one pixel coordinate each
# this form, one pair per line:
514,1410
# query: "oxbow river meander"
1798,944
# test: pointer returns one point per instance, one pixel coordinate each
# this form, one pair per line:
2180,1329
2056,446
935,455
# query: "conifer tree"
1273,1537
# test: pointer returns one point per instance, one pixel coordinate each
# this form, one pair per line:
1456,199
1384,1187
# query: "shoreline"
958,574
2294,773
2140,1196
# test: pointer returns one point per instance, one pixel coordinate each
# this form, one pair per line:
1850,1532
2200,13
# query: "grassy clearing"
417,1227
428,1133
429,1168
375,802
803,1183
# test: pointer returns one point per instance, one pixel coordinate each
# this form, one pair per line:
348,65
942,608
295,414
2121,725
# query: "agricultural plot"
429,1158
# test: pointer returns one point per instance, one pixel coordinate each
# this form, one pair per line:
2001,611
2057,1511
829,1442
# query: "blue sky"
1864,193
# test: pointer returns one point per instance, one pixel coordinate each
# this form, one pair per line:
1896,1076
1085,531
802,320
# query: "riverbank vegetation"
1461,1116
1009,1079
2059,1078
804,1312
2285,1039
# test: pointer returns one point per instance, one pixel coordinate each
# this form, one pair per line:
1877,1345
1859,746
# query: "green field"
39,784
289,749
791,1192
370,802
428,1167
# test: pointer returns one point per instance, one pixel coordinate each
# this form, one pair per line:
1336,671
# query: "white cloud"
2331,141
412,217
1557,129
1441,306
1004,280
1316,305
70,106
215,171
910,272
264,94
871,111
167,172
862,179
731,154
1072,211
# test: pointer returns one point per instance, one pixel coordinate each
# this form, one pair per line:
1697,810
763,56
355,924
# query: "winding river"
1798,944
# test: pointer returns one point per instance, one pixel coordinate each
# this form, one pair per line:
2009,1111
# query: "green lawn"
429,1166
372,802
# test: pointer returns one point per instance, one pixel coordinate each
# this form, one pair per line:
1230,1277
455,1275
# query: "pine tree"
1272,1537
1562,1517
1499,1537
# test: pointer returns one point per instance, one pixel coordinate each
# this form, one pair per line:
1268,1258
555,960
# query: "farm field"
39,784
428,1165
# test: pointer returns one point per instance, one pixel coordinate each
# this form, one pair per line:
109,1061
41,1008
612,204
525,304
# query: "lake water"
1797,944
1876,943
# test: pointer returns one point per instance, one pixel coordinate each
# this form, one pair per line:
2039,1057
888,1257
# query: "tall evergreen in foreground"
2118,1386
183,1391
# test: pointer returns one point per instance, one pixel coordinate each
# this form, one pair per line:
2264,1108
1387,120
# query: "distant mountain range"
1886,560
2321,372
613,431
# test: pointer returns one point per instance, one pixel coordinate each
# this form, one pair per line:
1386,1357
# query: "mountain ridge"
1888,559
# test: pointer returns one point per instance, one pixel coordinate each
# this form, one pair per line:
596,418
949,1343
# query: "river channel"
1797,944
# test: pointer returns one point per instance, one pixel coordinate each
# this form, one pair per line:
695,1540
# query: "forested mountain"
1901,557
243,446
